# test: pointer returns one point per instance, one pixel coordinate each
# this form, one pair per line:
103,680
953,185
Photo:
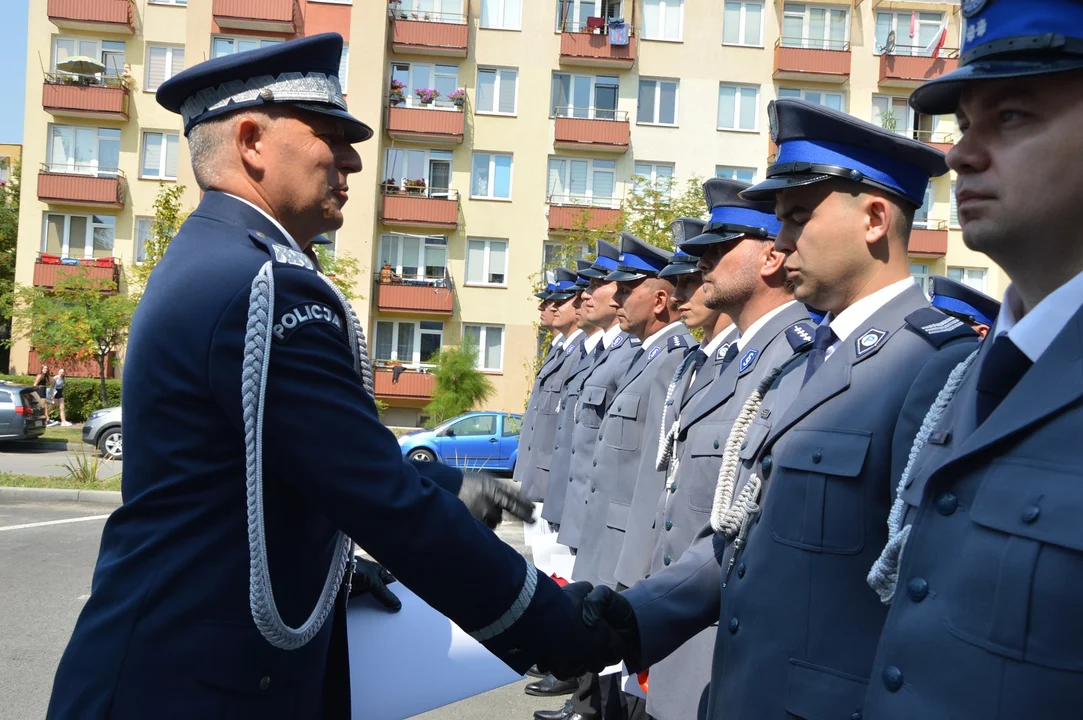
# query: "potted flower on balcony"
458,97
427,95
415,187
390,186
396,95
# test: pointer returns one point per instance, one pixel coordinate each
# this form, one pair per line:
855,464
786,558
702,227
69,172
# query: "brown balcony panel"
928,242
911,71
422,299
943,147
81,369
411,385
562,218
420,211
582,134
277,16
425,125
47,275
65,189
429,38
590,50
829,66
97,15
105,102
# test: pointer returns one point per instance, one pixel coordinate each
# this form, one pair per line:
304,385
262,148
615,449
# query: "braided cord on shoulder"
667,438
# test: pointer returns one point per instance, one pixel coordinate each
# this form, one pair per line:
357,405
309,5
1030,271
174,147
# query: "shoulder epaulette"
936,327
634,341
281,255
678,341
800,335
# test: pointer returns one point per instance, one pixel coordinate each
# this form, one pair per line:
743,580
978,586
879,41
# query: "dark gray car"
102,430
22,414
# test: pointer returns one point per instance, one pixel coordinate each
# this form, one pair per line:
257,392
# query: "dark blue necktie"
822,340
731,354
599,350
1004,365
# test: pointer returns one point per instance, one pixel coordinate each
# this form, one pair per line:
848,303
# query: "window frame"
663,11
263,41
429,154
410,98
878,50
70,166
483,331
550,247
926,271
416,332
169,61
965,271
65,243
99,51
487,269
171,3
737,107
812,43
658,81
589,200
422,255
652,177
492,176
928,202
501,15
953,210
139,252
497,85
163,161
592,110
736,174
743,30
803,95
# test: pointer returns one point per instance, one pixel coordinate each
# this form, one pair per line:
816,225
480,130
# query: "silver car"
102,430
22,413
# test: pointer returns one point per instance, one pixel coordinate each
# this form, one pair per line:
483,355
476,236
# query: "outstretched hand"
373,578
592,643
487,498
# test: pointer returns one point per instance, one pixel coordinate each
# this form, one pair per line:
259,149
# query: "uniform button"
264,683
618,408
667,559
599,436
766,465
715,444
669,524
673,487
743,445
946,503
595,463
1031,513
734,625
573,451
893,678
593,487
556,447
917,589
741,570
817,456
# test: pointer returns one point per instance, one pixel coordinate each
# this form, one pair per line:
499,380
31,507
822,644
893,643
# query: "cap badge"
772,121
973,7
677,229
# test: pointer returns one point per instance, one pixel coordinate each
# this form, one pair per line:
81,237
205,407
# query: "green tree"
652,206
342,268
168,218
460,386
9,237
81,318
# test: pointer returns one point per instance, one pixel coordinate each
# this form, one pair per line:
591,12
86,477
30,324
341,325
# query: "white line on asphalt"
53,522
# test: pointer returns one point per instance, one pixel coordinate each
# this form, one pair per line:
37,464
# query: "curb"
48,445
100,497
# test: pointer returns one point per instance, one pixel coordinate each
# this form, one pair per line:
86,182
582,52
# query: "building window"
491,176
920,273
953,214
226,45
737,107
5,169
143,227
915,33
921,215
657,102
552,255
663,20
79,236
584,96
583,182
972,277
417,76
820,28
572,15
445,11
489,341
169,2
835,101
486,262
83,150
501,14
159,156
415,257
742,23
497,90
653,175
109,53
743,174
162,63
896,115
431,166
408,342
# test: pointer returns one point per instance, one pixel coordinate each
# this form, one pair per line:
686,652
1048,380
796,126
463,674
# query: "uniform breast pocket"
707,447
815,499
1017,592
622,427
592,407
547,403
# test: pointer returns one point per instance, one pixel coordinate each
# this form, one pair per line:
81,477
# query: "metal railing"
86,79
580,200
581,113
397,12
930,224
804,43
440,103
571,26
933,136
62,168
418,279
388,187
917,51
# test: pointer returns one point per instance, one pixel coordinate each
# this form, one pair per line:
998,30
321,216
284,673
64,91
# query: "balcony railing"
593,129
929,238
570,212
591,45
908,66
420,206
110,16
942,141
276,16
441,124
92,96
50,268
405,384
812,60
428,33
64,184
416,295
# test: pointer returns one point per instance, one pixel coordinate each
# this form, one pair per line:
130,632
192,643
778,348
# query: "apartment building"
541,108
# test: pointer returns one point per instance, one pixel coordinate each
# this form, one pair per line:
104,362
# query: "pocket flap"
594,395
709,440
831,452
757,433
616,516
233,657
626,406
819,693
1035,500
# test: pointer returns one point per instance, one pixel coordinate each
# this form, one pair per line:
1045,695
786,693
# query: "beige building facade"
564,102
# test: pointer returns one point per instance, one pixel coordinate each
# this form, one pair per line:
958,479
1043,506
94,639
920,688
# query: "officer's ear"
881,218
771,260
249,134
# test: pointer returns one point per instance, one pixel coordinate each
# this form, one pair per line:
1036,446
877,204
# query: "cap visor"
941,96
543,295
356,131
591,273
698,245
561,296
767,189
624,276
677,270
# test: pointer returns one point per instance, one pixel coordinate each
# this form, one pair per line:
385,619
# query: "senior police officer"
963,302
818,442
984,616
186,618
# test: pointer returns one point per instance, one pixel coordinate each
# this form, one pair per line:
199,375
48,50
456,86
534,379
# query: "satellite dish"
890,47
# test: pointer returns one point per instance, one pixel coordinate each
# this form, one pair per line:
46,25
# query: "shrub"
82,396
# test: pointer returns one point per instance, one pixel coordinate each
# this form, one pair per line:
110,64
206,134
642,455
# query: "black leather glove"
373,578
603,605
487,497
586,647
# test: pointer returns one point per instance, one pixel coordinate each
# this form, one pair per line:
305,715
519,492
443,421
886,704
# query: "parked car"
476,441
22,413
102,430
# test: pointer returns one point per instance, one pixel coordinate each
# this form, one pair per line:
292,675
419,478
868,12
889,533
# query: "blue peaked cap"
954,297
638,260
680,264
582,280
605,261
565,284
732,216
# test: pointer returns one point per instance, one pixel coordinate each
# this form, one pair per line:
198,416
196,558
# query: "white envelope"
538,529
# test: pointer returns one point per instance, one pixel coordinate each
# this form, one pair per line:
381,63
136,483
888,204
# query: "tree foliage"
460,386
342,268
9,241
168,217
652,206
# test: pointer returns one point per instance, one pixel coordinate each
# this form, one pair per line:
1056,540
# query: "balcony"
795,61
410,385
81,185
419,296
431,124
274,16
585,46
105,97
942,141
420,207
50,269
597,130
930,240
905,70
428,33
567,213
102,16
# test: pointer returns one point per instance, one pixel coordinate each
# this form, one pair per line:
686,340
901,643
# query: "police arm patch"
936,327
302,314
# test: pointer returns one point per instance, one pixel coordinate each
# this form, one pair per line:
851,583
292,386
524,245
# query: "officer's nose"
348,160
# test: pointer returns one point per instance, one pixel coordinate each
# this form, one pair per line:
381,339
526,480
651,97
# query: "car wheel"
422,455
110,444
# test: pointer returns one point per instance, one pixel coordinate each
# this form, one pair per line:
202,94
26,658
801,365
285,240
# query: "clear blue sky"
13,73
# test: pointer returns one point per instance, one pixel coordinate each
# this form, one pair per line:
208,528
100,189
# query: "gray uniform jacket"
797,625
985,619
544,421
597,393
523,470
625,437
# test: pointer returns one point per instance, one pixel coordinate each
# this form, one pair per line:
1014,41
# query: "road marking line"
54,522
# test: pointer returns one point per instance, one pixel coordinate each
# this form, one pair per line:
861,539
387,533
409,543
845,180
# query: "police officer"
216,592
983,621
964,303
799,511
523,470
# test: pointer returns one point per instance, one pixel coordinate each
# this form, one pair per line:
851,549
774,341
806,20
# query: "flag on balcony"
934,47
618,33
913,22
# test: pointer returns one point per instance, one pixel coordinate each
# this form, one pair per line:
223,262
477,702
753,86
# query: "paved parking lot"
22,461
48,553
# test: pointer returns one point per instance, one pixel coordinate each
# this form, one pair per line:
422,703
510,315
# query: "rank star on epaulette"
936,327
677,341
800,335
868,341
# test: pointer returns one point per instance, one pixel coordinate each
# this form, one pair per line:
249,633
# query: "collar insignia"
654,352
868,341
748,358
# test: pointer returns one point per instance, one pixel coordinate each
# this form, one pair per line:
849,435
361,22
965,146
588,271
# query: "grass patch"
63,483
63,434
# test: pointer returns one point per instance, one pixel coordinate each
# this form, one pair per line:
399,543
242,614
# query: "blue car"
477,441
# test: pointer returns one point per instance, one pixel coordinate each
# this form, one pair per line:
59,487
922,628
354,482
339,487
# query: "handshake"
603,632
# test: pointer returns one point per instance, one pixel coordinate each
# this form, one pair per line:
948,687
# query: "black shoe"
555,714
579,716
549,686
535,672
